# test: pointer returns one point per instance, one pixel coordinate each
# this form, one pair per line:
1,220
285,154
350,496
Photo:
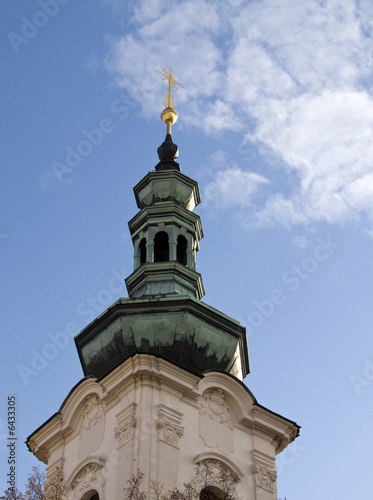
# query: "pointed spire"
168,151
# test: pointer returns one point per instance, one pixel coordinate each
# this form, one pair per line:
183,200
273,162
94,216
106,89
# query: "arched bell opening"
161,247
211,493
91,495
181,250
142,248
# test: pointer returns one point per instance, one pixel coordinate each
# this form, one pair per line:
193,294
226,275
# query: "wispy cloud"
291,77
233,188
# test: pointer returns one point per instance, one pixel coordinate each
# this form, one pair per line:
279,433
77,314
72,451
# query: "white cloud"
149,10
180,20
182,37
220,160
233,188
291,76
277,209
327,139
220,115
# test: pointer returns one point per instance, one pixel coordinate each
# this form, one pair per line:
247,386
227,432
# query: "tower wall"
152,415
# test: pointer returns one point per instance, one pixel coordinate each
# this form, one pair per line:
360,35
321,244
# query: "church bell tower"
163,389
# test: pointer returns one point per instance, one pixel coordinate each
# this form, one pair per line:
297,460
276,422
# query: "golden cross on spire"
168,101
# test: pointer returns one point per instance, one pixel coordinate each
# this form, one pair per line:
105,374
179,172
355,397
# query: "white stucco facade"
151,415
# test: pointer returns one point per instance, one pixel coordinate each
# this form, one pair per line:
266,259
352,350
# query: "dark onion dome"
167,153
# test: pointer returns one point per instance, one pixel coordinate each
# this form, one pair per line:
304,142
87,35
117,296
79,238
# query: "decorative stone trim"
72,480
293,434
168,425
264,476
276,442
57,465
169,432
92,413
87,476
214,403
264,470
126,429
213,472
40,451
225,461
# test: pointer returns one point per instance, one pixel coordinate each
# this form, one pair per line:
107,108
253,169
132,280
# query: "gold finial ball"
169,115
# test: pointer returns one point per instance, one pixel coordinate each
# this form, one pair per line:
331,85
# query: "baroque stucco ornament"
169,432
214,403
264,476
216,422
92,412
92,425
213,472
126,431
87,476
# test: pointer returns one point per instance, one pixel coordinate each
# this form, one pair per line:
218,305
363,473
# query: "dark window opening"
91,495
181,250
161,249
208,494
142,247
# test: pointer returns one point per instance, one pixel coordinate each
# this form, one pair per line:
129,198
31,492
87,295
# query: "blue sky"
276,125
